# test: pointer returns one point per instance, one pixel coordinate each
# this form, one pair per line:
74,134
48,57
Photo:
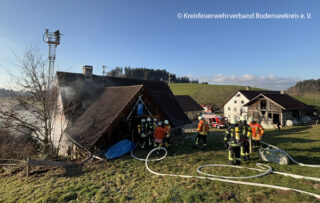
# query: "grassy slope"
127,179
206,94
218,94
311,99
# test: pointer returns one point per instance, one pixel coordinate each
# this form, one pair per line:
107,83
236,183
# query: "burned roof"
283,100
97,118
187,103
78,93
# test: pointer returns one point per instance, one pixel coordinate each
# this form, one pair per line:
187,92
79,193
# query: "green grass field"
218,94
206,94
126,180
311,99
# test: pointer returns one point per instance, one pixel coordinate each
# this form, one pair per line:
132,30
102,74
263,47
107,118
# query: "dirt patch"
260,198
316,186
227,196
305,182
284,192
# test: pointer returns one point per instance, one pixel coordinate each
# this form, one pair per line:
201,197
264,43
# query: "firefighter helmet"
166,122
200,118
159,123
233,121
149,119
155,119
143,120
242,118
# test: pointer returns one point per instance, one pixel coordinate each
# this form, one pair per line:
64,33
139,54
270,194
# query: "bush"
16,147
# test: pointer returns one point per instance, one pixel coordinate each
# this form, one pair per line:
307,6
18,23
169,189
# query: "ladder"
52,57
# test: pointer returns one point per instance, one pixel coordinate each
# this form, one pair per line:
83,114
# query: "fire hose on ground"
263,168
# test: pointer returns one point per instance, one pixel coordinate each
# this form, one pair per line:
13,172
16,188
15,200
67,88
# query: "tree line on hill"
149,74
306,86
12,93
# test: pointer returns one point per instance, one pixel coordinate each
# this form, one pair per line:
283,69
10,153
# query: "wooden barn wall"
255,111
270,107
116,131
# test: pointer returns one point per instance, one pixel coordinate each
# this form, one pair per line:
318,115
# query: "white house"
234,107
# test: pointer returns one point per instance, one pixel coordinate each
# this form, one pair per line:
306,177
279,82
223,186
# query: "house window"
238,95
242,102
269,115
235,101
235,108
228,116
229,108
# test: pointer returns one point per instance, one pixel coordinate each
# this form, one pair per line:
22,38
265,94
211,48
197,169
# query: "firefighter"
202,132
155,123
234,143
245,138
257,133
226,137
142,131
158,135
150,130
167,129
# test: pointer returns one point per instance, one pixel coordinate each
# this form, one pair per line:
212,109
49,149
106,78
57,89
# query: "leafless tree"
38,104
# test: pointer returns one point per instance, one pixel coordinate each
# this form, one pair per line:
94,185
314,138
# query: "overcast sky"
267,53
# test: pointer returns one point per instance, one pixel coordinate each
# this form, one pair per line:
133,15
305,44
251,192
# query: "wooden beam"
50,163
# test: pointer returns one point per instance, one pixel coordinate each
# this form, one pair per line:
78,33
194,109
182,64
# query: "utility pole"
103,72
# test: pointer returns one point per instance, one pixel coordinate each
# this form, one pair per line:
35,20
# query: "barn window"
263,104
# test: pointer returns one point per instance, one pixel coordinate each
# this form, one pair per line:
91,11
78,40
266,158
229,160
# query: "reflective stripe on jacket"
234,132
203,127
257,131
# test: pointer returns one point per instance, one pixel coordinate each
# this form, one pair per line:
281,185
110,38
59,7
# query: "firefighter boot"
204,147
230,157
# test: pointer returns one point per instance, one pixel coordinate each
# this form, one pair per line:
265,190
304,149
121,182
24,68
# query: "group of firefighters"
153,133
240,137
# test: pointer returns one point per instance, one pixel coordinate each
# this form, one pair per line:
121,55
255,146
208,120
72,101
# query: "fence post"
28,167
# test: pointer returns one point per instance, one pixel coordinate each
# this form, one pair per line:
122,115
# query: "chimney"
87,72
248,88
282,92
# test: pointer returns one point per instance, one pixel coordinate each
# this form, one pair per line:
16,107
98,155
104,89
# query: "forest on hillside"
306,86
149,74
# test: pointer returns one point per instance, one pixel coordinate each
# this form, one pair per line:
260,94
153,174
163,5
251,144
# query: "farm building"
189,106
269,109
234,106
97,111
